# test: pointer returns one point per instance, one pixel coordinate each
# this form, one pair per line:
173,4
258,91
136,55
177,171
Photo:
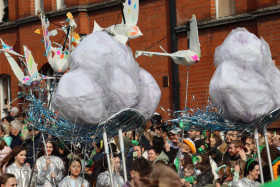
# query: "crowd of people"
160,154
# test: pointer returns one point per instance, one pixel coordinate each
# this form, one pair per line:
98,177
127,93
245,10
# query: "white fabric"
103,79
246,82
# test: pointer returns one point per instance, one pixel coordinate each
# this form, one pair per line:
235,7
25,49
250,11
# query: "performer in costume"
50,168
103,179
74,179
15,165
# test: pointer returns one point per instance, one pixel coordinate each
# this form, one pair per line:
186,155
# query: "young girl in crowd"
50,168
15,163
74,179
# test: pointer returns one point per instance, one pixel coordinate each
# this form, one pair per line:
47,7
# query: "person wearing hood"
154,156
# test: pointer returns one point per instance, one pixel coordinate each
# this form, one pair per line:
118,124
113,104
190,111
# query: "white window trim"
39,5
3,114
60,4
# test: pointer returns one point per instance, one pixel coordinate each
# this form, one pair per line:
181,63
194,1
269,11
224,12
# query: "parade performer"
15,163
50,167
74,179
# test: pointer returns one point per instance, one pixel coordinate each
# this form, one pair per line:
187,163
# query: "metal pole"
108,155
256,135
187,85
122,153
268,153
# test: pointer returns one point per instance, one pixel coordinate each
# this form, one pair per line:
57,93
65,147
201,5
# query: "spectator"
154,156
204,172
141,168
162,176
16,127
232,135
8,180
275,158
194,135
5,129
74,178
188,175
4,150
237,156
217,148
98,148
138,152
252,173
251,148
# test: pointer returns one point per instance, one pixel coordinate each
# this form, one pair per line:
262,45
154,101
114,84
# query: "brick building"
161,21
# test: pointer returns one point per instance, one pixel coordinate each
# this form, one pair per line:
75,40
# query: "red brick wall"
154,24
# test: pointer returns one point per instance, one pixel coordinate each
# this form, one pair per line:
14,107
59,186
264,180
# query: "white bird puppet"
183,57
32,76
59,60
127,29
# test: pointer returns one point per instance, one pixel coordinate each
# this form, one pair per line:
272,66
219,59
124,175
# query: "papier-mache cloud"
104,78
246,82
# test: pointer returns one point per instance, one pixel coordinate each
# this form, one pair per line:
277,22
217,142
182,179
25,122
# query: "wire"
155,43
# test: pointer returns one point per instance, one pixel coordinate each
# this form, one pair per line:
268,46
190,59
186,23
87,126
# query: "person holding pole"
50,168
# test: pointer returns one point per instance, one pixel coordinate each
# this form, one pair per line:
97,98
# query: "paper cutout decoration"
128,29
8,49
58,57
182,57
32,76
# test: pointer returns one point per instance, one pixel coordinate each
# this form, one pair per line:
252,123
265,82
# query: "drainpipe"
174,48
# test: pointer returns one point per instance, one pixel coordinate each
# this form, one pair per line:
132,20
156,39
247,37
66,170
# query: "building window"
225,8
4,11
60,4
39,5
5,94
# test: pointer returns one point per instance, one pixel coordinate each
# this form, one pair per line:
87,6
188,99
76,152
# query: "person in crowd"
15,163
158,144
194,135
273,139
217,148
189,177
5,130
203,170
103,179
162,176
237,156
275,159
4,150
232,135
154,156
226,176
74,178
50,168
250,147
138,153
172,148
98,148
16,127
252,173
141,168
8,180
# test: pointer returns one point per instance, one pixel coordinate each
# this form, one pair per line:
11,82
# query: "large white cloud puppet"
246,82
104,78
